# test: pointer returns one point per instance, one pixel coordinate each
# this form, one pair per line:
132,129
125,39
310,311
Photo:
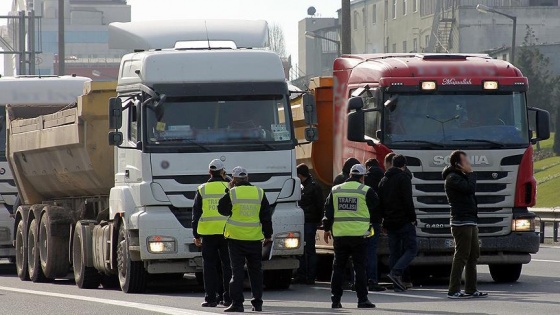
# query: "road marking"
546,260
141,306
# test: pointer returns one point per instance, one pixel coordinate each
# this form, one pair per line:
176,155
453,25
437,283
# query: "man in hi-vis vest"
209,224
249,222
349,212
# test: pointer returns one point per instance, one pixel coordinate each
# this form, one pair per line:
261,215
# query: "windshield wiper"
498,144
185,140
435,144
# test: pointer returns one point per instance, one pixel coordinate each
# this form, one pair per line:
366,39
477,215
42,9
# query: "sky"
286,13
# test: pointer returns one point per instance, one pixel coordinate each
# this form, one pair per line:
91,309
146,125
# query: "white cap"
358,169
216,165
239,172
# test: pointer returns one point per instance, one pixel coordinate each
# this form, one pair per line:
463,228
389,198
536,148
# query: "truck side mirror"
356,126
311,134
355,103
115,138
115,113
542,125
309,109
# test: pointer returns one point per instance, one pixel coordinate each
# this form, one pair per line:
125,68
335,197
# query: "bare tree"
277,40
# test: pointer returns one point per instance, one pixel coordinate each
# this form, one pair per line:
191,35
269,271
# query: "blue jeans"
403,247
372,253
308,261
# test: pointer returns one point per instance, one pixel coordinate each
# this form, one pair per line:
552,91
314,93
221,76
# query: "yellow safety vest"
211,221
351,214
244,223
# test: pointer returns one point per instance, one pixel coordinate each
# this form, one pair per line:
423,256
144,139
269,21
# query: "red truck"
424,106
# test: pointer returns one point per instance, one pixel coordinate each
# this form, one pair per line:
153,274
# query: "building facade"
318,45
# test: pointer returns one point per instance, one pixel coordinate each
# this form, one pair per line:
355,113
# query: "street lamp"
313,35
486,9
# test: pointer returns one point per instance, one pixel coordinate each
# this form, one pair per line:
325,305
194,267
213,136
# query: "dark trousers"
344,248
372,254
215,256
308,261
239,252
467,251
403,248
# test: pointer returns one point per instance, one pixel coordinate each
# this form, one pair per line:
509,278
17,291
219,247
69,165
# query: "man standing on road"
373,177
460,188
249,222
343,176
209,224
311,202
348,215
399,219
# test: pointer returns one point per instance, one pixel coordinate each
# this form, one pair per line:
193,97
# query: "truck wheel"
53,251
34,261
505,273
132,275
324,268
85,277
21,253
277,279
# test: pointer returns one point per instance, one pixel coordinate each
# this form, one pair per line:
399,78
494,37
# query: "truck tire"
505,273
324,268
53,251
85,277
132,275
277,279
21,253
34,261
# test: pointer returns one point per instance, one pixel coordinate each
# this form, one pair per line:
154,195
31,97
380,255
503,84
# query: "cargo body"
424,107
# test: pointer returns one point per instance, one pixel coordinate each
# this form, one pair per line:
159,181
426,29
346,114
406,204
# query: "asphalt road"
537,292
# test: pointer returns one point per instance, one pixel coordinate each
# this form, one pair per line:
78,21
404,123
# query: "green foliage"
547,174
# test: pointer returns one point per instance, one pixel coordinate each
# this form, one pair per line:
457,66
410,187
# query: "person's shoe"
235,309
397,281
366,304
224,303
477,294
257,308
336,305
457,295
408,285
209,304
376,287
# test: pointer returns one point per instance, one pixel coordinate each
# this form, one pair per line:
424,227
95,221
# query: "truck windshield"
255,122
488,120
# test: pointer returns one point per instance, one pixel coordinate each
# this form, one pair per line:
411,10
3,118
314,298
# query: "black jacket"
197,206
395,195
225,206
345,174
373,177
460,189
371,200
312,201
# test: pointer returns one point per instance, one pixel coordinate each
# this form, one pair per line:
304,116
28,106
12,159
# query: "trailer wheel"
34,261
277,279
53,251
505,273
132,275
21,253
85,277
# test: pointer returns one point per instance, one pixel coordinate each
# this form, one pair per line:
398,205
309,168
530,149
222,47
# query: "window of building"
404,47
386,10
404,7
504,57
415,45
364,16
414,5
356,15
374,14
427,40
394,9
394,48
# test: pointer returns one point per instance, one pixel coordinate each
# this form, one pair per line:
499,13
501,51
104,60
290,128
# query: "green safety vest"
244,223
351,214
211,221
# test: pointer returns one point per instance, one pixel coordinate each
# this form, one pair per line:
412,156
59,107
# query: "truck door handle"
127,173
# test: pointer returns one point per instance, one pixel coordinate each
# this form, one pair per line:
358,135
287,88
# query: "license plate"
450,243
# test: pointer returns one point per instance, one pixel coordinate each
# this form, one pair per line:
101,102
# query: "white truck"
125,212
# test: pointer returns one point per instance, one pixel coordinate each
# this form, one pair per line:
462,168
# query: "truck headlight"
161,244
288,240
523,225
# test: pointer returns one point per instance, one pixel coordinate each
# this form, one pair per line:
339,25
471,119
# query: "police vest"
244,223
211,222
351,214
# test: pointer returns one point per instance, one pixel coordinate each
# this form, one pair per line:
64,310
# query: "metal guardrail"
548,215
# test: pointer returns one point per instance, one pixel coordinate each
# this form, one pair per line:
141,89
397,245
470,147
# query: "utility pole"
61,53
31,41
21,44
345,29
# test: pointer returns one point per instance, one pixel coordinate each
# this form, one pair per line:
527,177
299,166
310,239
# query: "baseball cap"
216,165
239,172
358,169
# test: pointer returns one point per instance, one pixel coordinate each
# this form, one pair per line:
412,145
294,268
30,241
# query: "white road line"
546,260
141,306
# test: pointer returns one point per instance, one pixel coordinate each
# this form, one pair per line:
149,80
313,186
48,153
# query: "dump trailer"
424,107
